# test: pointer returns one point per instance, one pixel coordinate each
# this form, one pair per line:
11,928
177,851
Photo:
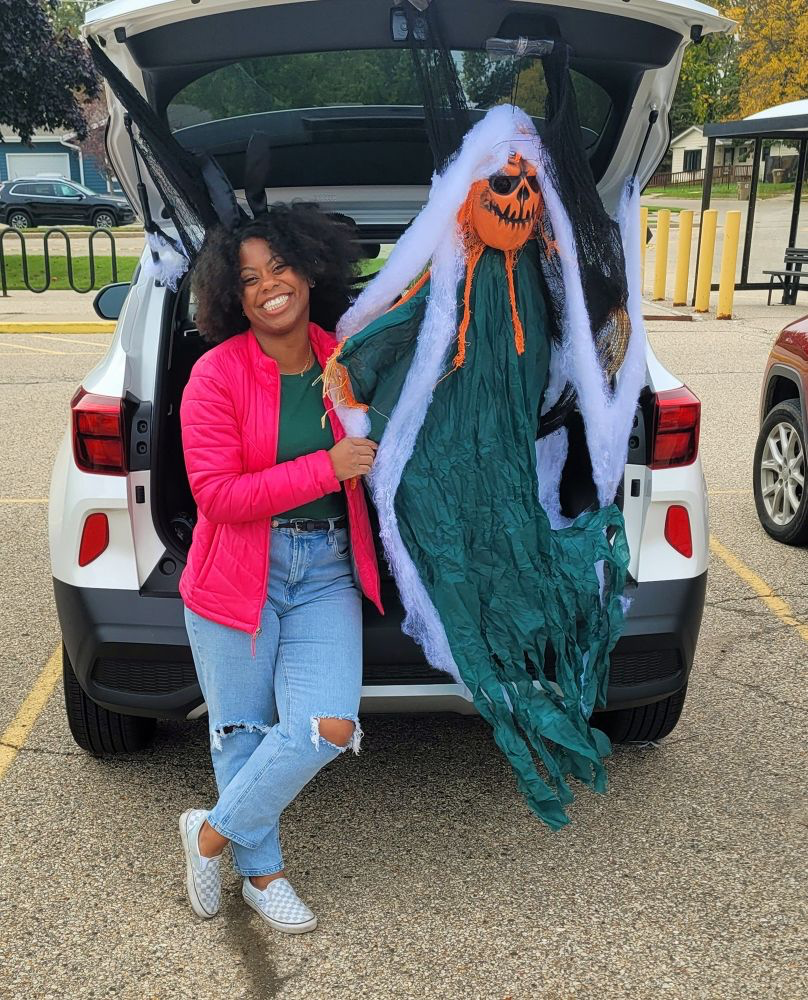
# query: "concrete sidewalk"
48,310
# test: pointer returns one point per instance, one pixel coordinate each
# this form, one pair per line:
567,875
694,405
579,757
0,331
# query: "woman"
273,610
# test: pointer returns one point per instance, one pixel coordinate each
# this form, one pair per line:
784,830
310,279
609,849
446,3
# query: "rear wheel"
18,219
103,220
779,475
647,722
96,729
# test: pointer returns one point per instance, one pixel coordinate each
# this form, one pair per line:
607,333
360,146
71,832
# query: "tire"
18,219
648,722
97,730
780,496
104,219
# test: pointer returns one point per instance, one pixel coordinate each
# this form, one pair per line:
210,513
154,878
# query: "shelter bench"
791,279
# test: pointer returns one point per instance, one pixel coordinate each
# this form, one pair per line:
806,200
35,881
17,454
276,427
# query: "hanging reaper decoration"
452,358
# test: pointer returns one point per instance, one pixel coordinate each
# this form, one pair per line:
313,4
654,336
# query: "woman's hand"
352,457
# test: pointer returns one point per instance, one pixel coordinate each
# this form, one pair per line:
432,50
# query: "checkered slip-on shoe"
202,876
280,906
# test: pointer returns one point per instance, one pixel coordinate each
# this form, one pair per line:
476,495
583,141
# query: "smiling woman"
281,551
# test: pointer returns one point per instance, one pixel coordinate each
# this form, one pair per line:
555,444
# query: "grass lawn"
766,190
58,266
103,270
653,209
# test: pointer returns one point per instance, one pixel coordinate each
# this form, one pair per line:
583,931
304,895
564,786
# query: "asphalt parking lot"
429,875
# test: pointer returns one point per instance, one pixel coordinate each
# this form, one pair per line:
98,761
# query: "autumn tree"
708,88
42,70
773,59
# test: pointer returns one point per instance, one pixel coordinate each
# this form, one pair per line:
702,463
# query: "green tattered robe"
519,602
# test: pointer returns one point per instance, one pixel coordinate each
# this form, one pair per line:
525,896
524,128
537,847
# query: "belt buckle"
299,523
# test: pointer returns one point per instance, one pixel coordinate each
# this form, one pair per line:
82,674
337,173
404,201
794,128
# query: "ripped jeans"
264,711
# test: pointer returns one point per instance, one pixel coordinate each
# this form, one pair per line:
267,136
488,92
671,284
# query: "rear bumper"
130,652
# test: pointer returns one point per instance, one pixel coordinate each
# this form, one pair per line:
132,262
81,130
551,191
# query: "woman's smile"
276,303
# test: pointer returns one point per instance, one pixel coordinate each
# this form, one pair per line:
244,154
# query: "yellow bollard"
643,246
683,257
709,220
729,258
661,263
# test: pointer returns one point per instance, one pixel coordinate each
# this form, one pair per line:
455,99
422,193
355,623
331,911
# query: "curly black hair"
315,245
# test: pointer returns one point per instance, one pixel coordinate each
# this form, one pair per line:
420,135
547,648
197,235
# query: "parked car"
55,201
121,511
778,476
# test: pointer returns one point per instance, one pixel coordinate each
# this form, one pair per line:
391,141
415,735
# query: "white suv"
329,81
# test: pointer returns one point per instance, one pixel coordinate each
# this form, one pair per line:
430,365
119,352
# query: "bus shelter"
788,122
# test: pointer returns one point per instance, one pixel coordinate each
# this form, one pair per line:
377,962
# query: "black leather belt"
308,524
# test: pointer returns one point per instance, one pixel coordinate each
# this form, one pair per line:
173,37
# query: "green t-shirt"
301,431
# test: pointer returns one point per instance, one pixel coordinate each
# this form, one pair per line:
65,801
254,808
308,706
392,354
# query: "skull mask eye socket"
505,183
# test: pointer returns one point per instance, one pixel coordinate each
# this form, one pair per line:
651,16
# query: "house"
50,153
688,152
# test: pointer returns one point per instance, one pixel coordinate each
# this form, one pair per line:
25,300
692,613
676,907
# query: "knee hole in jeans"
231,728
339,732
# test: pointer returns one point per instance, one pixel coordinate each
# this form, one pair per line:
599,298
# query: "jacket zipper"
257,631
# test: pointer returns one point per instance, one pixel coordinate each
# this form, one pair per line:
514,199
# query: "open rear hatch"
332,83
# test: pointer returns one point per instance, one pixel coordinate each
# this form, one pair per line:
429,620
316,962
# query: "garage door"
31,164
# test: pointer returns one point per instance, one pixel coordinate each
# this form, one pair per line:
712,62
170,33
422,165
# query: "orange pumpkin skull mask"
505,208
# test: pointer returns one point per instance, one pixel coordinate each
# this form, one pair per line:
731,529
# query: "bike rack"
55,231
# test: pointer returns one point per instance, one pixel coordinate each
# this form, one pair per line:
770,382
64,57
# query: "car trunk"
335,90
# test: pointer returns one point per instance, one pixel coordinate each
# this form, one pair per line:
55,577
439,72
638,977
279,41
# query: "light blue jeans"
264,710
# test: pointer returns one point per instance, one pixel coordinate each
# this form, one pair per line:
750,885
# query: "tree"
41,70
708,89
773,52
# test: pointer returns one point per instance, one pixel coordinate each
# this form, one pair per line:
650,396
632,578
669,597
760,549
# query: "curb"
44,326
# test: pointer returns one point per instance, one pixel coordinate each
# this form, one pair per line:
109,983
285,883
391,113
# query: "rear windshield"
376,78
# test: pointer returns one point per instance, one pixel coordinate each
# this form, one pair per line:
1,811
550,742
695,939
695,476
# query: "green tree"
68,15
708,89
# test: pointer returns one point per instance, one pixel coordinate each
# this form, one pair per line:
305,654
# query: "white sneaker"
202,876
280,906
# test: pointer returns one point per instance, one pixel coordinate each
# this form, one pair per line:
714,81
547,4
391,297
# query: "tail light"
94,538
98,438
677,420
677,530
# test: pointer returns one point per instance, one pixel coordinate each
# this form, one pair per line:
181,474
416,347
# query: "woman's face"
274,297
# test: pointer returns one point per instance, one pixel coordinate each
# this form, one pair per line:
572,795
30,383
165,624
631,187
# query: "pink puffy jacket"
229,415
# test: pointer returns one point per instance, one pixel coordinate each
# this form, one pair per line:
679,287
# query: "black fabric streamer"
446,113
175,171
597,236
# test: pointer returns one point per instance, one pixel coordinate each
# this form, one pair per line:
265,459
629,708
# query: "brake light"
94,538
677,530
677,420
98,440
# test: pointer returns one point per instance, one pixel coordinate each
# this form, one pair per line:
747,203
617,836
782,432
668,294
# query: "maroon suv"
779,472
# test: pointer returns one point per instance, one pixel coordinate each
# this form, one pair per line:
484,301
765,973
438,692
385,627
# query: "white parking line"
35,350
59,354
71,340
